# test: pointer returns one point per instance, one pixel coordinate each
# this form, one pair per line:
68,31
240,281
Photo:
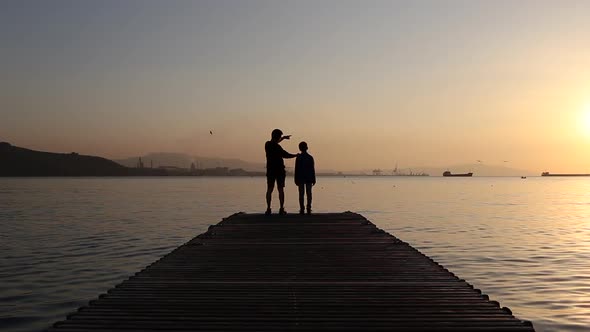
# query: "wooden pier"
333,271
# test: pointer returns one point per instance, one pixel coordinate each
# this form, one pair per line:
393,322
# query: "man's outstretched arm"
287,155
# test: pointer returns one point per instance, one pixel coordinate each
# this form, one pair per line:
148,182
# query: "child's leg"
308,190
301,193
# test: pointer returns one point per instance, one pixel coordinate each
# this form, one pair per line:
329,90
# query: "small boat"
448,173
563,174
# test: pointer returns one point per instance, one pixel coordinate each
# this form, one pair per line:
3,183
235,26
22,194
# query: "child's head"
302,146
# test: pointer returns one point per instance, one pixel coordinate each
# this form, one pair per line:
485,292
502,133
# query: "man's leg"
281,196
281,189
270,187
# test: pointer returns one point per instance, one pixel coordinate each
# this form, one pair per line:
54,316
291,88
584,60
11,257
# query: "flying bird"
210,132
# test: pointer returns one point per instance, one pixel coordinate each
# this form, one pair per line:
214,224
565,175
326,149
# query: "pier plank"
330,271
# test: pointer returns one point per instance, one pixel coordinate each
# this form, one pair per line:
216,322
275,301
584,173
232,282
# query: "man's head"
276,135
302,146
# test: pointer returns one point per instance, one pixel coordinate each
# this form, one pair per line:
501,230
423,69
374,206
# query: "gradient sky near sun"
365,83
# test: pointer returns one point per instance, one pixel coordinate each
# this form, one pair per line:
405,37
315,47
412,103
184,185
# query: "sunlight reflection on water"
526,243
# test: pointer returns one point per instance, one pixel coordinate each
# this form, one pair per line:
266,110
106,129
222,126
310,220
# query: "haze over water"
523,242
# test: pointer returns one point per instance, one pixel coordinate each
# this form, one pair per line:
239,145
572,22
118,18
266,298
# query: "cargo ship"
563,174
448,173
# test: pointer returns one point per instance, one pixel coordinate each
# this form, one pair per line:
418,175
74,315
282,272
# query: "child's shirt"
304,169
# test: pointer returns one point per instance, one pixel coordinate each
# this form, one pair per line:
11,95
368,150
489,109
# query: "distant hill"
159,159
16,161
182,160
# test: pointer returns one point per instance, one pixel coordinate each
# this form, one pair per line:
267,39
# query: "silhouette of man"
304,176
275,168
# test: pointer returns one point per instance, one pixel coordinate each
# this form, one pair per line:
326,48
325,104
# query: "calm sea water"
526,243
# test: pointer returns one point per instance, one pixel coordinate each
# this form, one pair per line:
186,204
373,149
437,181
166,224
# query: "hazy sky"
365,83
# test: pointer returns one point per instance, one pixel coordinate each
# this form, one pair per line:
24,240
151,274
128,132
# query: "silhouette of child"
304,176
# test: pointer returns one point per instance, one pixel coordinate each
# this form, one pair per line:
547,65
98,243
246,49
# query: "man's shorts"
271,177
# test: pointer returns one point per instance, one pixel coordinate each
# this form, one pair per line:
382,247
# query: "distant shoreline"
21,162
257,176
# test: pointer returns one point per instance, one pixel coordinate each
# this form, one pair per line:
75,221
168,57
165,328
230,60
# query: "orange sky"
366,84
